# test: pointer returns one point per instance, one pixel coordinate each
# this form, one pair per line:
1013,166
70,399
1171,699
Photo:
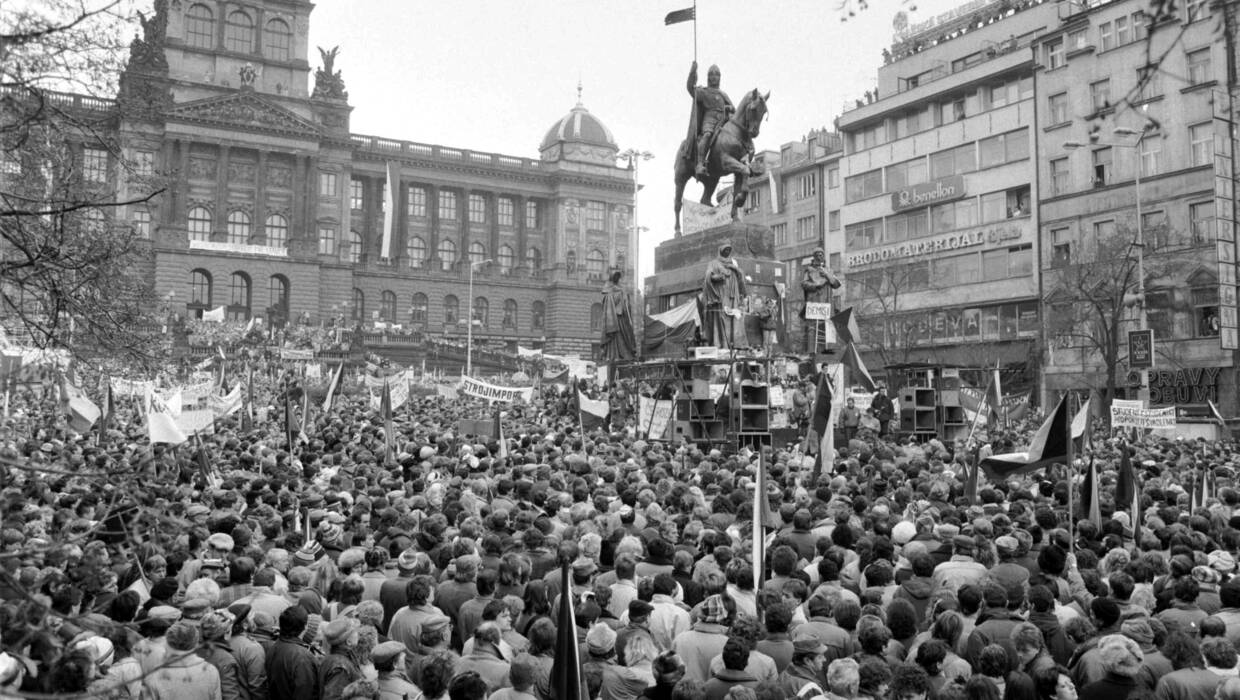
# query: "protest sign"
654,418
494,392
1132,414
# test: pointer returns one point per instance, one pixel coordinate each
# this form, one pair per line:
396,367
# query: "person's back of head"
970,598
735,654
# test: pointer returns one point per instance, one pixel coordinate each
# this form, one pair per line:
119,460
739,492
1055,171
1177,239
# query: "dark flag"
1049,446
247,415
970,485
567,680
109,411
1090,495
385,409
846,330
677,16
1128,491
822,410
860,375
288,421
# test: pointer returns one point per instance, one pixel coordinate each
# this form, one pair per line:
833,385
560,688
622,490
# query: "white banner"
492,392
292,354
1131,414
314,371
655,415
192,393
242,248
127,387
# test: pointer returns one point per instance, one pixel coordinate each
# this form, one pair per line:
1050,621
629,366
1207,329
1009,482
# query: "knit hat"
182,637
713,610
1120,655
216,625
601,639
407,560
1222,562
308,554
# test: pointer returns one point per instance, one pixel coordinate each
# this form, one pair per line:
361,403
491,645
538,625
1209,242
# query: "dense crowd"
239,570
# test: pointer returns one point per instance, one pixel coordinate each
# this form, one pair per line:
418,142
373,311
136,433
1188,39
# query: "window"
353,254
327,240
596,317
447,254
416,252
532,218
142,222
1195,10
953,215
1201,222
957,269
1057,108
239,32
327,184
505,210
1201,138
200,289
144,162
1102,166
596,216
417,310
199,224
807,186
477,209
276,230
1151,155
238,227
1061,177
1150,85
94,165
538,313
906,174
992,207
1199,66
451,310
1104,230
482,312
447,205
533,259
833,177
94,218
1106,36
902,227
953,161
200,27
866,234
238,297
781,233
477,252
1078,40
1061,247
1054,54
863,186
417,202
357,309
833,220
510,314
357,194
807,228
387,306
1123,31
1100,94
1156,232
277,293
596,263
507,259
1205,310
1139,25
278,40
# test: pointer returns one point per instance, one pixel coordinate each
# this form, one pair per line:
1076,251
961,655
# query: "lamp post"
469,327
635,157
1143,392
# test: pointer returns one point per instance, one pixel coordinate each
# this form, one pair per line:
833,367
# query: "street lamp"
1142,315
469,328
635,157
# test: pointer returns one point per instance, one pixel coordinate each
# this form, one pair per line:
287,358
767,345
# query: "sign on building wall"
927,193
1224,221
1141,349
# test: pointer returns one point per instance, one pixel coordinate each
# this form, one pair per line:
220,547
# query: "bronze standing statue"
817,281
720,140
723,294
619,341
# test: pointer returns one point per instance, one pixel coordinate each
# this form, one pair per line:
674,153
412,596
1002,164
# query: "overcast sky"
494,75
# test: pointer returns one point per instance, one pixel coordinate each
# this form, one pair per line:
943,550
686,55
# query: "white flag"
215,315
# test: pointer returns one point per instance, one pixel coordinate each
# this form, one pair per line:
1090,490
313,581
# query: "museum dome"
579,135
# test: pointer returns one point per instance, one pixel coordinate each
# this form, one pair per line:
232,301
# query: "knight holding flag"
711,109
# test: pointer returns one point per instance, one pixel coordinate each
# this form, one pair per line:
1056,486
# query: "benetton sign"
927,193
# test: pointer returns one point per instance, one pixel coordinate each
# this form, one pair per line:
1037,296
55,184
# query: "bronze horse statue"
731,152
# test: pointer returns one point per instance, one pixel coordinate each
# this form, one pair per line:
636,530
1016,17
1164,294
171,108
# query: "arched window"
596,262
387,307
477,252
451,310
533,259
570,262
596,317
278,40
277,299
238,227
416,252
239,32
357,310
447,254
199,292
507,259
276,228
538,315
417,310
482,311
510,313
354,253
200,27
199,224
238,297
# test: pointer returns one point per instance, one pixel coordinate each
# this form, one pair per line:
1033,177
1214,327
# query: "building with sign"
273,208
1137,166
939,227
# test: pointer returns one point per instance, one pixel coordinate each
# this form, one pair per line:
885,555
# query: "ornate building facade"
272,207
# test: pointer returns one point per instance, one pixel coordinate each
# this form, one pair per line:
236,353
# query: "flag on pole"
996,397
1205,487
1090,495
860,375
761,513
1081,421
846,329
688,14
288,420
1127,490
247,416
499,435
332,386
1218,416
82,411
1049,446
970,485
385,409
391,200
821,417
592,412
305,417
567,680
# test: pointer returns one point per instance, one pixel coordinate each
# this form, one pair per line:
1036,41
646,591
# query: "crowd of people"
236,569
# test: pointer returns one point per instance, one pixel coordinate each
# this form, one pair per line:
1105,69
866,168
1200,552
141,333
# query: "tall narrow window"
357,309
238,227
354,253
451,310
200,290
506,259
239,297
276,228
327,240
1201,140
277,40
595,264
533,259
199,224
477,252
387,306
239,32
200,27
416,252
447,254
417,310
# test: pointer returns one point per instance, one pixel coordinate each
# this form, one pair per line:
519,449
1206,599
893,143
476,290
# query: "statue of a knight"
711,110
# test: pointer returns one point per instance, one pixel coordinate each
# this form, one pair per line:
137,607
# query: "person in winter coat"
1122,659
338,668
216,627
1042,614
183,675
918,589
292,670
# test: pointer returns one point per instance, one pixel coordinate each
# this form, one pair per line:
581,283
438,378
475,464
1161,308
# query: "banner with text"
493,392
1132,414
128,387
655,416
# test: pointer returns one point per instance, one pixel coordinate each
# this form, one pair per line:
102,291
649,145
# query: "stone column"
260,198
518,204
432,217
178,162
492,200
304,179
220,218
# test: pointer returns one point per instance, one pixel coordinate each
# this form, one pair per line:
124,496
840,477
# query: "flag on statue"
688,14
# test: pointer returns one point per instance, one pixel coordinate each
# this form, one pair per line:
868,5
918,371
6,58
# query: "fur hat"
1120,655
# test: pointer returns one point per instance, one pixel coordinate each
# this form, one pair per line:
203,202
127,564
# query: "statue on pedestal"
723,292
619,342
817,281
